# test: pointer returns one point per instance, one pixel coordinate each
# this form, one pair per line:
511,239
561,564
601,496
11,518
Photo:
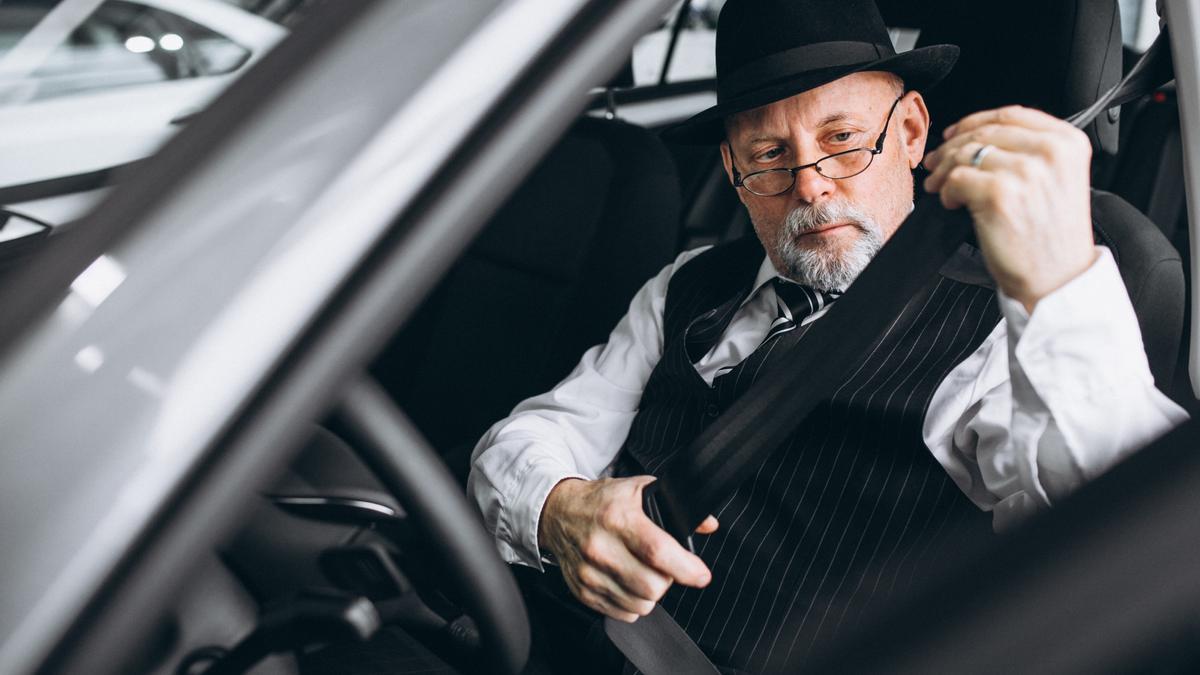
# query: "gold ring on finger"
980,154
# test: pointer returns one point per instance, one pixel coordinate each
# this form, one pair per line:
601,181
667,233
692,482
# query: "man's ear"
914,129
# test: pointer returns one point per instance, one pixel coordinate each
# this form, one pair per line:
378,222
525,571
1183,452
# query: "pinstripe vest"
853,509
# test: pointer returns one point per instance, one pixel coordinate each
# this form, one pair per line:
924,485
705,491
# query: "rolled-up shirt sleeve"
1051,400
572,431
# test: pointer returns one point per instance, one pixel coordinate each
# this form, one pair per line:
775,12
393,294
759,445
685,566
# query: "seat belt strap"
1154,69
657,645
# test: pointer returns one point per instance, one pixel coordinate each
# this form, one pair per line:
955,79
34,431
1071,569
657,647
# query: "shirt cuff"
1081,380
522,515
1097,295
1089,321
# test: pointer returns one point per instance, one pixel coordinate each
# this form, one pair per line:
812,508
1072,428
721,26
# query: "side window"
694,51
1139,23
123,44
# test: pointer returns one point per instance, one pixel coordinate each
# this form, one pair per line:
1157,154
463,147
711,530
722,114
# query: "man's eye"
773,153
842,137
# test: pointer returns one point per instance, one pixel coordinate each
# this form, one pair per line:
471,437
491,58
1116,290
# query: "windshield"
162,312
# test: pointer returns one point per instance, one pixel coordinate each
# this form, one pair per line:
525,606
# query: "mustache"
810,217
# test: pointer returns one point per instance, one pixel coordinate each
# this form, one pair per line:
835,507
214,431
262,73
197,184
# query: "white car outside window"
112,82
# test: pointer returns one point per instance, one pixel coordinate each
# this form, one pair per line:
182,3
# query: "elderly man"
991,397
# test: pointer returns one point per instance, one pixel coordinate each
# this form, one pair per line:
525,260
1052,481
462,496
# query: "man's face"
824,231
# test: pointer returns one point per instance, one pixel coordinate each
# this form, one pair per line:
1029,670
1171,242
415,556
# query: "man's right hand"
613,557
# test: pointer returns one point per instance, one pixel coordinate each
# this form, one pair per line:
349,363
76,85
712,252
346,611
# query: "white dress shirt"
1047,402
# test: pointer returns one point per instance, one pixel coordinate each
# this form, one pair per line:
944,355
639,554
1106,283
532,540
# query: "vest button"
713,410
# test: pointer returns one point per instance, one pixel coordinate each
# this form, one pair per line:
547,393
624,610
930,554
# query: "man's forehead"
850,99
780,118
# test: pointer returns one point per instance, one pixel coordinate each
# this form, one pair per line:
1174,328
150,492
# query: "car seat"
1148,172
1055,55
549,276
1058,56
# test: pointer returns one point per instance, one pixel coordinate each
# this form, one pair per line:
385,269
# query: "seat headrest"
1055,55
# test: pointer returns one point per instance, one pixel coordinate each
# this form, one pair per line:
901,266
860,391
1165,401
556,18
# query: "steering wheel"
396,453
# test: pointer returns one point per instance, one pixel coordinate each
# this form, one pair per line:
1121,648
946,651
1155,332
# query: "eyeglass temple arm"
737,175
887,123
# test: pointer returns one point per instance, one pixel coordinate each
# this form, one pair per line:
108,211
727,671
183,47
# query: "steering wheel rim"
412,473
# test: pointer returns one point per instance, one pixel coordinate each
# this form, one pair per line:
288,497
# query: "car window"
694,54
693,58
1139,23
89,85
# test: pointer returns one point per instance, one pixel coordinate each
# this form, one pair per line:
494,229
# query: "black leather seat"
550,276
1148,172
1054,55
1058,56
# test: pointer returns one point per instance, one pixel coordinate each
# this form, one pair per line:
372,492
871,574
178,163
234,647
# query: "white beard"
820,266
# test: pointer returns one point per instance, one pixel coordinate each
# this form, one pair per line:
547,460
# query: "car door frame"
99,612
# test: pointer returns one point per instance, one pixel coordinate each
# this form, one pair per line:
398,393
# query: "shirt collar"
762,281
765,289
766,273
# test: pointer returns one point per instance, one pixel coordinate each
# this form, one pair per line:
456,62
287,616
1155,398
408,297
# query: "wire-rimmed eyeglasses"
839,165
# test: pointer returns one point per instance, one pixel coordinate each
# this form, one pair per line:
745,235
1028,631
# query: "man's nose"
812,187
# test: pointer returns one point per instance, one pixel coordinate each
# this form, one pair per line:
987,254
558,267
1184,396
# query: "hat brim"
921,69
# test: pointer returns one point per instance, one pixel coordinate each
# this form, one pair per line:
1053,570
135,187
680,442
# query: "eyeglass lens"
844,165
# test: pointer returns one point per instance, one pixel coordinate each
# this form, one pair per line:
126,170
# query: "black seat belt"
719,459
657,645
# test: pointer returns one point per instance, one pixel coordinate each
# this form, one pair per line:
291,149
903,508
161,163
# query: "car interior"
551,273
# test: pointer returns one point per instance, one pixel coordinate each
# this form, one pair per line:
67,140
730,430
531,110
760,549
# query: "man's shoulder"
746,249
690,255
713,273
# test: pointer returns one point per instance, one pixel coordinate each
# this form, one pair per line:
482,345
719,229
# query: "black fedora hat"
768,50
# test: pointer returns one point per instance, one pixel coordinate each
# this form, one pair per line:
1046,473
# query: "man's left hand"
1028,195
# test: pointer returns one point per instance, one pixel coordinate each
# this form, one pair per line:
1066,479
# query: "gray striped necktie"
801,301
